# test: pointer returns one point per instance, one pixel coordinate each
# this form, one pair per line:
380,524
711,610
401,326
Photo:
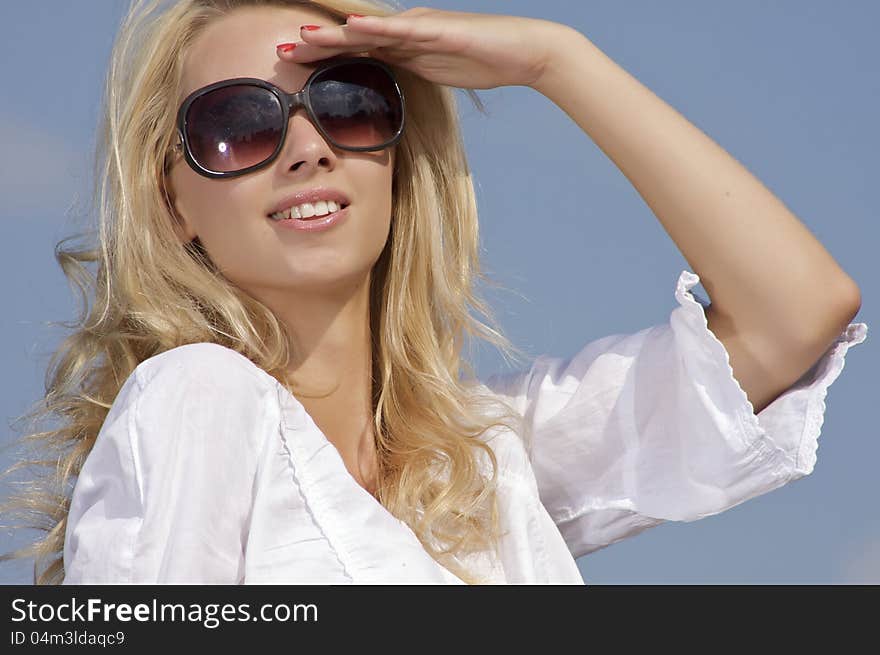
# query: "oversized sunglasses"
238,126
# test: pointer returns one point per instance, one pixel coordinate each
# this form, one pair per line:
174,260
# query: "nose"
304,142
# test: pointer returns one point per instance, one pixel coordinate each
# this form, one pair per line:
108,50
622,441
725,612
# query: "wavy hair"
152,293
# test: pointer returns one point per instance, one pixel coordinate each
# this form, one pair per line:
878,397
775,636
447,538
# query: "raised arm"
779,299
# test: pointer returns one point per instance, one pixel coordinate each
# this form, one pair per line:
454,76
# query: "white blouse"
207,470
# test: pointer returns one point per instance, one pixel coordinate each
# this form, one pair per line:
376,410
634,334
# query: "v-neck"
311,453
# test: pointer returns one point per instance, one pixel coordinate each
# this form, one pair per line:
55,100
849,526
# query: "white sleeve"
639,429
165,495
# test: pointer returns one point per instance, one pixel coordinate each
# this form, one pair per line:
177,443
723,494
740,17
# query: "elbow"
849,303
828,324
854,295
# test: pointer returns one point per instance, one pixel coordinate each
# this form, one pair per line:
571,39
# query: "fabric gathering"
208,471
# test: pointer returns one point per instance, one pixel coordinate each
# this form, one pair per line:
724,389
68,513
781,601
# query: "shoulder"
514,468
198,391
200,398
208,365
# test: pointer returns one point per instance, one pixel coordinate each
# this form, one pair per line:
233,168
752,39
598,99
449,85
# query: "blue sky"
789,88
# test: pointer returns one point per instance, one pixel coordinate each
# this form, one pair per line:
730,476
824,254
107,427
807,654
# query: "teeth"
308,210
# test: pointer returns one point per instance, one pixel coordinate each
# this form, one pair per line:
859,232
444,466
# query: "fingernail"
286,47
310,27
355,16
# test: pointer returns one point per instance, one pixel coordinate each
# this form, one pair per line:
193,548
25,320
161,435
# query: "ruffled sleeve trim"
791,453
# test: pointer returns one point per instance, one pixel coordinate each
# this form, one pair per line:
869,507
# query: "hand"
453,48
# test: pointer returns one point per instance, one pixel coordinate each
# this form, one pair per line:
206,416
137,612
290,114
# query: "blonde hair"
153,293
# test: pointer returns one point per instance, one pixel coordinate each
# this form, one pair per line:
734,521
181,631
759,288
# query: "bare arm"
779,299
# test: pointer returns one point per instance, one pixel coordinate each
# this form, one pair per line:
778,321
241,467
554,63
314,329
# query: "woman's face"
230,217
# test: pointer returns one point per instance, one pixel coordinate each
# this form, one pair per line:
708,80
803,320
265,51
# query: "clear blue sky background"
790,88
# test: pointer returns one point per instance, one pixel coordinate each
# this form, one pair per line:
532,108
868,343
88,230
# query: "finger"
343,35
389,33
305,53
400,26
308,52
318,47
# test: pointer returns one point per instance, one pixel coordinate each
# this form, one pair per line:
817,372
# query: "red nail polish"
355,16
286,47
310,27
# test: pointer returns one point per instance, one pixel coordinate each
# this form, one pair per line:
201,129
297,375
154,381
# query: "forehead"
242,44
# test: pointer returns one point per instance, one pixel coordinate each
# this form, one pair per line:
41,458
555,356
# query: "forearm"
761,266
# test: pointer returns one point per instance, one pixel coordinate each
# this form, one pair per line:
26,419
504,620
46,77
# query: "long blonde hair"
151,294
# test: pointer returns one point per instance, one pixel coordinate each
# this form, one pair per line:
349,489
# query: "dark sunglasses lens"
235,127
358,105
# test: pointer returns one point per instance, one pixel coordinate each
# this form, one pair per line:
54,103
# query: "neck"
331,370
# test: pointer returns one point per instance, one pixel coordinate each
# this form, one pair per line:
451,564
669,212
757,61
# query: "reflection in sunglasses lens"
237,127
357,105
234,127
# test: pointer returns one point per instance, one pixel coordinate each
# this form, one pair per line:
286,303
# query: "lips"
310,218
315,225
311,196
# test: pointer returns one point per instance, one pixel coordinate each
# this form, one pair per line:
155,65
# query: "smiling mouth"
309,218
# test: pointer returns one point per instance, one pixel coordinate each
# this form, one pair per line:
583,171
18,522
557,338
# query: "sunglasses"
238,126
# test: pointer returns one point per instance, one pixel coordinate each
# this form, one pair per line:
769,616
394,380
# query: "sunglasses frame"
290,104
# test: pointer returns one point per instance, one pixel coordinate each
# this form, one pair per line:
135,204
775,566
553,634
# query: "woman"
259,396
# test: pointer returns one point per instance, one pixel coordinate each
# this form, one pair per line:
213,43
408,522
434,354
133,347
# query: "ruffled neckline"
361,531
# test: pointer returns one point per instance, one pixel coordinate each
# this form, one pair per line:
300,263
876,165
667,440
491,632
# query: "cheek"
196,201
213,207
379,220
227,225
